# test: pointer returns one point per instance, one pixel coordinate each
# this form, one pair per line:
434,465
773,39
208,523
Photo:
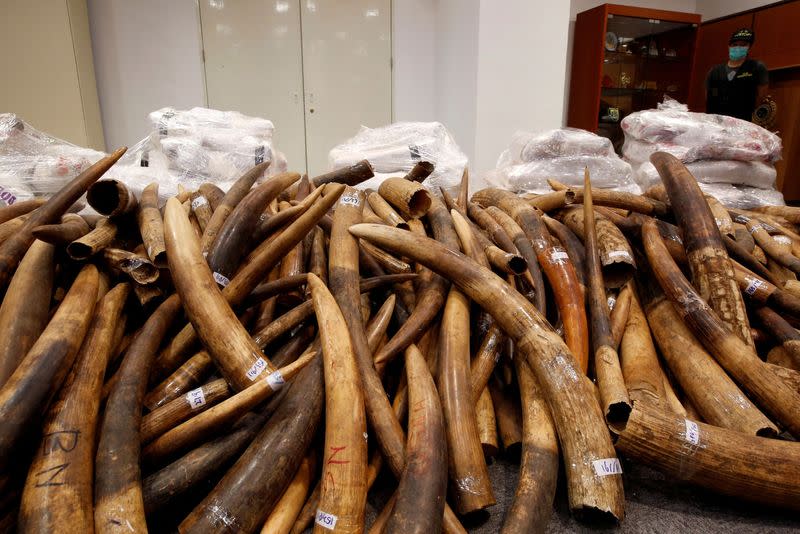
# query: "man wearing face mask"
735,88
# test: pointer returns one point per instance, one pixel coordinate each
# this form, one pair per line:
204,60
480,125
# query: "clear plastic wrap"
561,154
395,148
743,197
198,145
527,147
692,136
33,163
748,173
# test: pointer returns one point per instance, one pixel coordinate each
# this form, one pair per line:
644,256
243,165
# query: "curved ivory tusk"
13,248
613,393
68,444
431,293
385,211
421,491
733,354
711,269
568,392
119,506
20,208
28,390
90,244
643,375
235,194
532,505
235,233
71,227
151,226
203,425
420,171
139,268
283,516
726,461
343,493
240,360
26,306
615,199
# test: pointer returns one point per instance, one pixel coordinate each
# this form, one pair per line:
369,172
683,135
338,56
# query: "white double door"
318,69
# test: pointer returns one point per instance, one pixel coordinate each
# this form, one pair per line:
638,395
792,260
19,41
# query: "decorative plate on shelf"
611,41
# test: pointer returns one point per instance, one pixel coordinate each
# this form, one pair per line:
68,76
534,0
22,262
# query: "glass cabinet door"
644,59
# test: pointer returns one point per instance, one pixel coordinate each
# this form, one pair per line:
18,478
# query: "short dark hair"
743,34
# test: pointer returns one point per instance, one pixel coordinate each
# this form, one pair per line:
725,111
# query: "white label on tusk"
134,263
720,222
755,227
607,466
221,279
612,301
620,255
741,219
768,227
676,238
326,520
275,380
256,369
782,239
199,202
558,255
196,398
692,432
350,199
752,285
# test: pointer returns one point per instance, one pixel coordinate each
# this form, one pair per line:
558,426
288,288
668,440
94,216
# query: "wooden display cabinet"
625,59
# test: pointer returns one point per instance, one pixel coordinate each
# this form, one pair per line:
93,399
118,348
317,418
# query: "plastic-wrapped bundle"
743,197
561,154
527,147
691,136
395,148
751,173
33,163
198,145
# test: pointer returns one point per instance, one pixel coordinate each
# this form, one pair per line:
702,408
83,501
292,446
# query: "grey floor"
653,505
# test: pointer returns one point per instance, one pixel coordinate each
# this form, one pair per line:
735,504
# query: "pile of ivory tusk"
252,360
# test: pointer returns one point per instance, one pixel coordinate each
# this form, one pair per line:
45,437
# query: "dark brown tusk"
570,242
20,208
27,392
420,171
616,199
613,393
619,314
151,225
58,490
13,248
235,194
734,355
111,198
352,175
711,269
119,505
421,491
235,232
532,505
71,227
26,306
738,253
751,468
568,392
781,331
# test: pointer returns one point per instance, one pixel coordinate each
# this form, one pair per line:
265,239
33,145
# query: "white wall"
455,83
147,55
521,69
413,60
712,9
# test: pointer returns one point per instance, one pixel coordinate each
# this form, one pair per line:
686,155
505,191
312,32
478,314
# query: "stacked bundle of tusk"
248,360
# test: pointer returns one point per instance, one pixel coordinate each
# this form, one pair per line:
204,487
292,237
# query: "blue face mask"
737,53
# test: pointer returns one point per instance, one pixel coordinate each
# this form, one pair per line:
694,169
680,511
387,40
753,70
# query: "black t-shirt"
734,91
